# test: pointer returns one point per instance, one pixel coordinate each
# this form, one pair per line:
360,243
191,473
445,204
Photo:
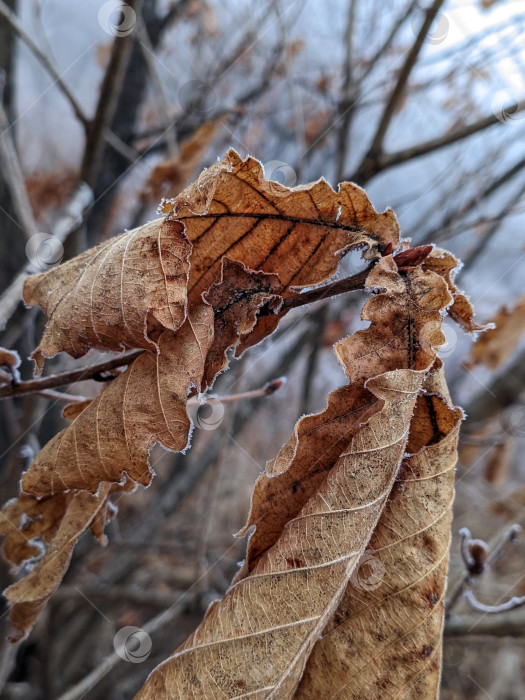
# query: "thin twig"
368,166
62,396
15,25
12,172
388,160
269,388
150,60
77,375
113,659
107,103
477,557
68,222
477,605
31,386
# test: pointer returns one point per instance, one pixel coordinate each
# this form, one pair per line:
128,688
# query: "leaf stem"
32,386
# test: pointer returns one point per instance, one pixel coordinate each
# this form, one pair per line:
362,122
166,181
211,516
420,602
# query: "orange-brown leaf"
256,640
494,346
298,233
461,310
121,294
385,637
58,521
114,434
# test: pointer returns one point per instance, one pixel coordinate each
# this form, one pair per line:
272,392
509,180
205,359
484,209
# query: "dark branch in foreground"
31,386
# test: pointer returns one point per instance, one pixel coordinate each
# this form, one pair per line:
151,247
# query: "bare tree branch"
68,222
12,20
348,284
388,160
107,103
368,166
12,172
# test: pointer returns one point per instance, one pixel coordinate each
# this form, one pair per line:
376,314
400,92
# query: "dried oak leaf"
498,342
236,300
297,233
114,434
407,328
461,310
385,638
413,301
257,639
58,521
314,509
121,294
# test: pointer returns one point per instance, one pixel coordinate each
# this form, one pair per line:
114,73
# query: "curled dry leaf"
499,341
114,434
121,294
298,233
316,507
236,300
58,521
461,310
257,639
384,640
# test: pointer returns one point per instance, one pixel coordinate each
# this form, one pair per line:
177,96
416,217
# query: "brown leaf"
59,521
257,639
124,293
315,507
407,322
297,233
498,343
145,404
121,294
385,637
461,311
236,299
